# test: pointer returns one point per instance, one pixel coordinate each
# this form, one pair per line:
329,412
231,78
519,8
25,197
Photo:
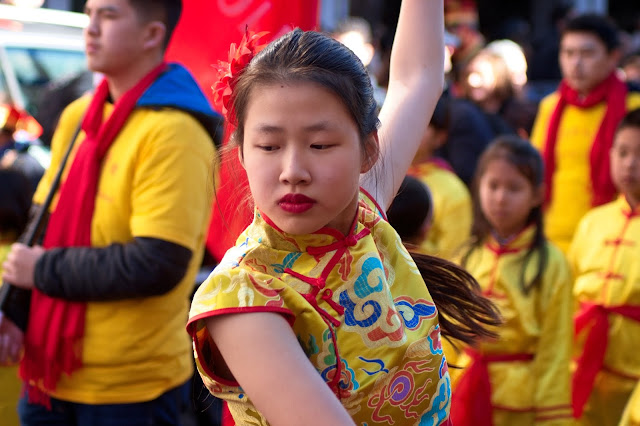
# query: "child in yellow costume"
605,255
14,210
522,377
452,214
319,316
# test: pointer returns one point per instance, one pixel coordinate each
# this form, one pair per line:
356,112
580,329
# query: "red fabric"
202,38
53,341
227,418
471,399
613,91
595,347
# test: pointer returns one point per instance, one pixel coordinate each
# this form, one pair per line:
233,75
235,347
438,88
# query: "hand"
20,266
11,338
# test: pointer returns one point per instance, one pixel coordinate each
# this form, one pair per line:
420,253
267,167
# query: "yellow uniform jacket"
539,324
605,256
571,186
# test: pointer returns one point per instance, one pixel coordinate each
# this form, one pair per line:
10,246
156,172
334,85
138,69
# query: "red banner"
202,38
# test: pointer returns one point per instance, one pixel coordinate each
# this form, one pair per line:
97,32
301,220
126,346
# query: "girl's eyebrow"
315,127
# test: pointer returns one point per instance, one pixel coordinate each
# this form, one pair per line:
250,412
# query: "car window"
37,68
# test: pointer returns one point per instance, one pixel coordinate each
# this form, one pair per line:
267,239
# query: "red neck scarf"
613,91
53,341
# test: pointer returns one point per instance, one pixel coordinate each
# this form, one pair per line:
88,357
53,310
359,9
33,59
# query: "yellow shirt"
571,186
539,324
605,256
368,314
452,214
156,181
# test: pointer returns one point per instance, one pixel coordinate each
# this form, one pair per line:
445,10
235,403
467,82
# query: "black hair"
15,201
527,160
601,26
410,208
167,11
631,119
441,118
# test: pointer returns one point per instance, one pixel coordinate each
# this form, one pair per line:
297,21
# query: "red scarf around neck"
53,341
613,91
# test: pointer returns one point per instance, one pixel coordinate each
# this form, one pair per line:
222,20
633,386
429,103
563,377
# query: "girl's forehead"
628,136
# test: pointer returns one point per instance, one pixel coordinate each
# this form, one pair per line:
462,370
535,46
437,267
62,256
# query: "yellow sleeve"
456,223
541,123
67,125
631,416
170,179
553,355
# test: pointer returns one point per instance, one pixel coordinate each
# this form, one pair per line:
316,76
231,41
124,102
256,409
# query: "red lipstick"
296,203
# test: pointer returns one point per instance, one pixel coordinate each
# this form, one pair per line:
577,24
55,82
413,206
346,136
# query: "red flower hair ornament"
229,72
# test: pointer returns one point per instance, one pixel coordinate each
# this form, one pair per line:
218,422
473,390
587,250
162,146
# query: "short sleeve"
231,290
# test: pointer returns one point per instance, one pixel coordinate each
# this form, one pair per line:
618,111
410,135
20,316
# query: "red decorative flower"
228,72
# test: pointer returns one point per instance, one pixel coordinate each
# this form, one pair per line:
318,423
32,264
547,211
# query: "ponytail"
464,313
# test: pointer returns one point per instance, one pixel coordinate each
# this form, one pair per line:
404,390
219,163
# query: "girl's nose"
294,169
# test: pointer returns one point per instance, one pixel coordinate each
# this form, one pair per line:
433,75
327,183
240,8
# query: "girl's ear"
371,152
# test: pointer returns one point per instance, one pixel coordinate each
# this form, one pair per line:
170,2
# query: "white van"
42,62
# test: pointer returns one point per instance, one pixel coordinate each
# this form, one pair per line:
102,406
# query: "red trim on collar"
375,203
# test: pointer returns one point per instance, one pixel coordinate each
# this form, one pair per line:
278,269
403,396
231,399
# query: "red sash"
471,400
595,347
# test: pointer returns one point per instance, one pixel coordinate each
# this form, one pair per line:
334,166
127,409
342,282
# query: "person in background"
522,377
14,155
411,213
355,33
452,215
604,255
15,200
575,125
110,287
461,20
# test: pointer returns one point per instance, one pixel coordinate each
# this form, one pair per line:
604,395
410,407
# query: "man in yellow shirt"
105,340
575,125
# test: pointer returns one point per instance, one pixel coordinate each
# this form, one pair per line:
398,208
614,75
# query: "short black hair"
410,208
601,26
167,11
631,119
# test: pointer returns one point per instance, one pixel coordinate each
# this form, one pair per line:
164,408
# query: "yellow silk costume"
539,324
605,256
452,215
571,187
358,306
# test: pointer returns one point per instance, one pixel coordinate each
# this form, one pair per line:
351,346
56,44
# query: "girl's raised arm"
416,79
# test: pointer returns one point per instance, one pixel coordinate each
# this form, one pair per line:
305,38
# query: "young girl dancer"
522,377
318,316
604,254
